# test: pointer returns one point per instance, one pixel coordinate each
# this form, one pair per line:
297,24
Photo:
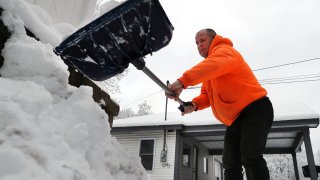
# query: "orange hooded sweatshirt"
228,83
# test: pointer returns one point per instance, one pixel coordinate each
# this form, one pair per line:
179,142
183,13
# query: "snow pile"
48,129
280,166
106,6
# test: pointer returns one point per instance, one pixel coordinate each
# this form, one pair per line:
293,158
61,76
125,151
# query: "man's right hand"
176,88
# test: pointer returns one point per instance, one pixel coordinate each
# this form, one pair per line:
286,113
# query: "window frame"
217,163
189,155
153,153
205,165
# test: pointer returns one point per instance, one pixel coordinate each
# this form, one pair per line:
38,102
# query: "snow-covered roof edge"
282,111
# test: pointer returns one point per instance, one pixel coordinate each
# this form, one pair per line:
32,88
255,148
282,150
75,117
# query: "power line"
295,81
142,98
284,80
281,80
194,87
291,79
287,64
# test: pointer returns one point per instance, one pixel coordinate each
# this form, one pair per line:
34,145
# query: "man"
236,99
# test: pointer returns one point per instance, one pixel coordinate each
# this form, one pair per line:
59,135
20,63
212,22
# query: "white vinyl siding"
131,142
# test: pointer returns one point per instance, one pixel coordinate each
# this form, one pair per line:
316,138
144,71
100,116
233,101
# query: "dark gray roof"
286,135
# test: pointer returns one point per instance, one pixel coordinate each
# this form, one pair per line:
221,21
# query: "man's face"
203,42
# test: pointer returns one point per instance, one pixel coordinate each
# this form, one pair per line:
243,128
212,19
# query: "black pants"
245,141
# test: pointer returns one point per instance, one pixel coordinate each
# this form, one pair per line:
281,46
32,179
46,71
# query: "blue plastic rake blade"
128,32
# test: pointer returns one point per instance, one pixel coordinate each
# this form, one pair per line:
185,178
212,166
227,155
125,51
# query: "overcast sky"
267,33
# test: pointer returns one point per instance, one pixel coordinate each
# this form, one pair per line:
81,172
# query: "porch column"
309,153
295,165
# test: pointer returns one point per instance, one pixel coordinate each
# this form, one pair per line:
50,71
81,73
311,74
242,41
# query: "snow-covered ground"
49,129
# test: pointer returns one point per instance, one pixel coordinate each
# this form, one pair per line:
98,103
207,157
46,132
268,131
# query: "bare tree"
125,113
144,109
111,85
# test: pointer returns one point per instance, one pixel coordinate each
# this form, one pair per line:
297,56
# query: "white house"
157,140
189,147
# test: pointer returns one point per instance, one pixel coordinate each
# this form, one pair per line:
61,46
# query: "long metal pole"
166,108
160,83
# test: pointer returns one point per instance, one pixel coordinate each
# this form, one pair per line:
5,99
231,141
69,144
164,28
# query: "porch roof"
286,136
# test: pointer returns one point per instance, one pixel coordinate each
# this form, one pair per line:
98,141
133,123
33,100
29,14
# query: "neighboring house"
190,147
157,142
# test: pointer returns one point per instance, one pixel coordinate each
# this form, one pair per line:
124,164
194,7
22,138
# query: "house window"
218,170
205,165
186,155
147,153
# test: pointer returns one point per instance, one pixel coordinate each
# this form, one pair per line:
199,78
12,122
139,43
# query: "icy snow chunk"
12,161
30,96
28,59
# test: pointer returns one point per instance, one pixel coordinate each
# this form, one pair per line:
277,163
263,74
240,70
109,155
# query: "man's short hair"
211,33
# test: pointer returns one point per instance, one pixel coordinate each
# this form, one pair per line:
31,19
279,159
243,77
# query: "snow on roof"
173,118
293,111
282,111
